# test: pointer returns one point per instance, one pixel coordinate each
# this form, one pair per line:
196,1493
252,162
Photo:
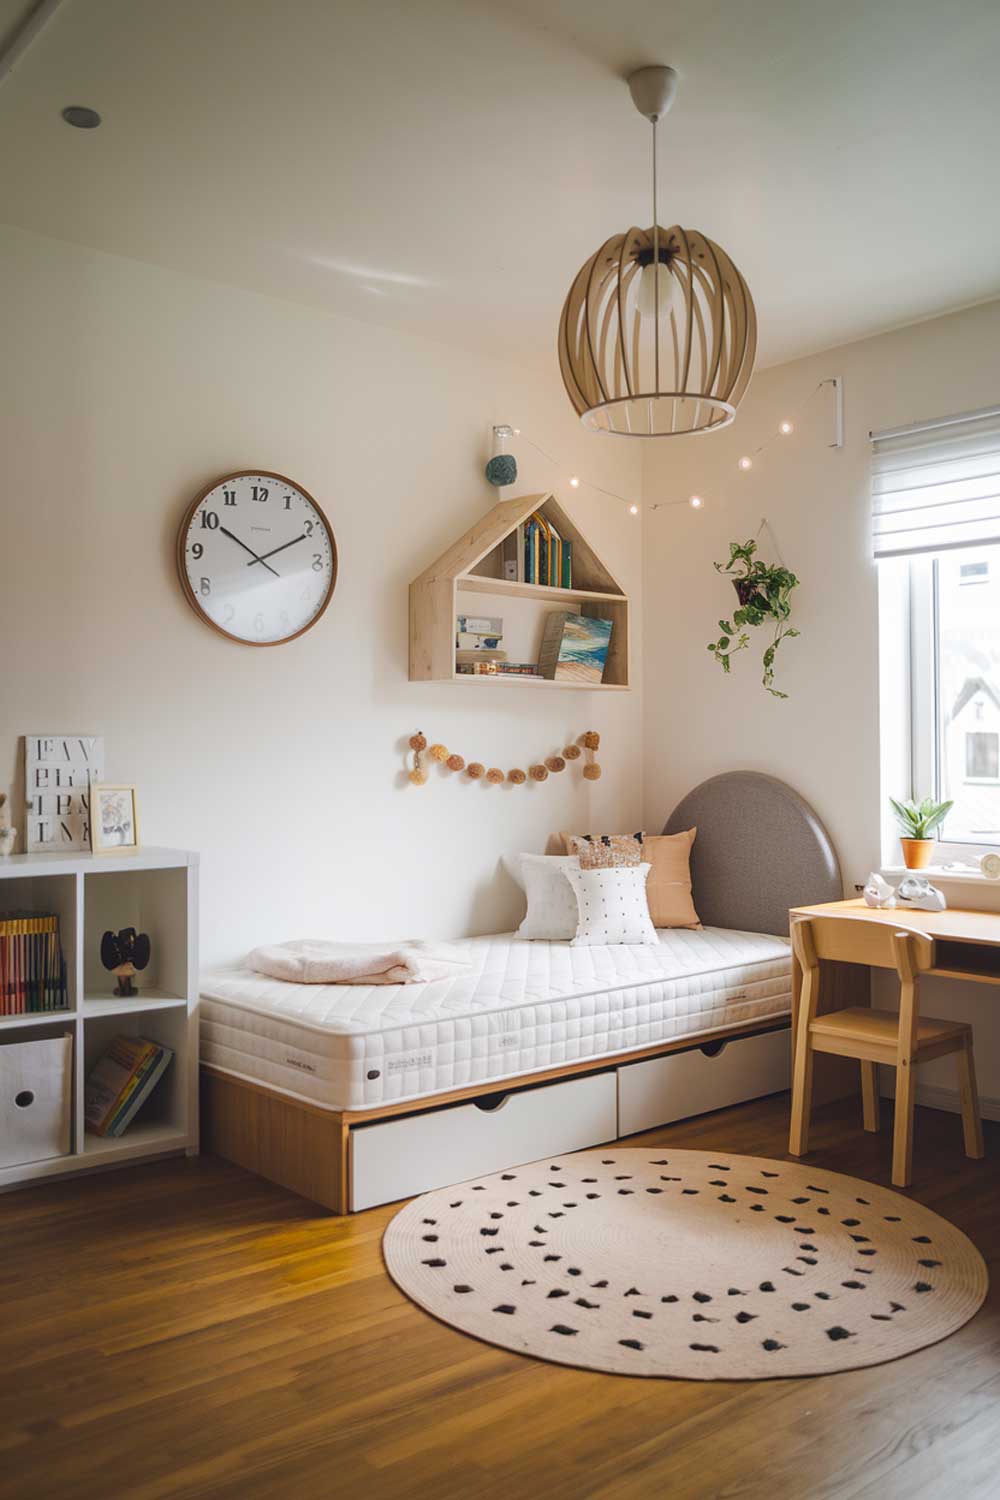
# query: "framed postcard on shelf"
114,818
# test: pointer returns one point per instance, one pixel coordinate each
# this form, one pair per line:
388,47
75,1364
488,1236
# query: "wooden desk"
968,947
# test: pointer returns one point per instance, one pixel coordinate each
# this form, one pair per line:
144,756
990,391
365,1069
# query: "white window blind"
936,485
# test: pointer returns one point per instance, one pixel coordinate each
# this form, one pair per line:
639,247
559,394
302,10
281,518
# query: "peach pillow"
669,884
668,888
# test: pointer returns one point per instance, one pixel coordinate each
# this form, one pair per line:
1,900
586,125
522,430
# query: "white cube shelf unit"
155,891
468,579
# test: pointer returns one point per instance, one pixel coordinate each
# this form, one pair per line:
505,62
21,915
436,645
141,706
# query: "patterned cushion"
604,851
612,905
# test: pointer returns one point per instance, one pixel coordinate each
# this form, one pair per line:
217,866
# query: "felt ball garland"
423,755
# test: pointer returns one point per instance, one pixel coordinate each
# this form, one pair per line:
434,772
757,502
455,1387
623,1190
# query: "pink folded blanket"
316,961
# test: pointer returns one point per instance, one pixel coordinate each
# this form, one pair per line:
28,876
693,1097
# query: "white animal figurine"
879,893
918,894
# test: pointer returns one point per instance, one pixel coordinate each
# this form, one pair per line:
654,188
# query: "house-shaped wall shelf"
474,566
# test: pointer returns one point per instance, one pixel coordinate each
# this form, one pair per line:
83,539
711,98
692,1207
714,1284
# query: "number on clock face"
257,558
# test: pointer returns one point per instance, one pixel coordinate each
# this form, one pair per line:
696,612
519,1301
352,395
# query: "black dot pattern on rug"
625,1233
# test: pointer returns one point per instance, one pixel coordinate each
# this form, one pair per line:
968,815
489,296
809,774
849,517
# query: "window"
936,491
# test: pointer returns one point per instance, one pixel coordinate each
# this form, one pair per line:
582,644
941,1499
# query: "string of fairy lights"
785,428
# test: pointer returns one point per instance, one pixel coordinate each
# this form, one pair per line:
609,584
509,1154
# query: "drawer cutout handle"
714,1049
24,1098
490,1103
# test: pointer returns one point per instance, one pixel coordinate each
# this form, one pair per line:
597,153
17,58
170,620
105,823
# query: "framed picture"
58,770
114,818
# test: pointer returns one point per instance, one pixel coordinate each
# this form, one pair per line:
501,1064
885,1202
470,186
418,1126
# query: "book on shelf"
480,655
465,641
548,556
121,1081
478,632
32,967
574,647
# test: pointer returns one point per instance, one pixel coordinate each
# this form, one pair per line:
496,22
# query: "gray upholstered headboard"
760,849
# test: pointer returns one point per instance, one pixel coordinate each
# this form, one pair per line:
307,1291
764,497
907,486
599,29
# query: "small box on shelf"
36,1089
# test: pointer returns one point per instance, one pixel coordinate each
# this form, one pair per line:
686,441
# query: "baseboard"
933,1096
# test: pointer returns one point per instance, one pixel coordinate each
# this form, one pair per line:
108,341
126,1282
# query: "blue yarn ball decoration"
502,469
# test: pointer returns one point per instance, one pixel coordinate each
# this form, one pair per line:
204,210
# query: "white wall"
824,739
124,388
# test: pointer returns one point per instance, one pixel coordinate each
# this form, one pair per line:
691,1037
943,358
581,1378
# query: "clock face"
257,558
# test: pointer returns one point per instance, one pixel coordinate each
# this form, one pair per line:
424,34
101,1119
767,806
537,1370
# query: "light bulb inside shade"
645,295
696,502
786,428
575,483
633,510
745,462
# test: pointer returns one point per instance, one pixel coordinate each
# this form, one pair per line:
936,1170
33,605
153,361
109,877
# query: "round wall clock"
256,557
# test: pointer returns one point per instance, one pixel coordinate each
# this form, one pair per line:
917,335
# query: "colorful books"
32,968
548,557
121,1081
574,647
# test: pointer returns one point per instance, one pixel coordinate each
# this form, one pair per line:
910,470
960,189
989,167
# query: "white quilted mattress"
522,1007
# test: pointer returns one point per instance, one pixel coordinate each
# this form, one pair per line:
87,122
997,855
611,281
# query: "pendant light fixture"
658,334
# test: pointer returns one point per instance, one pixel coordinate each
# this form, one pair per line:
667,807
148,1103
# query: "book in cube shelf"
574,647
32,967
120,1083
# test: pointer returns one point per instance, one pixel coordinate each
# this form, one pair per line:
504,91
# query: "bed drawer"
710,1077
413,1153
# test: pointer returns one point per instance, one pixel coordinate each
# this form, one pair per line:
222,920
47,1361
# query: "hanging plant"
764,590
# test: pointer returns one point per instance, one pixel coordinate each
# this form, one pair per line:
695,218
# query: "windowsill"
941,875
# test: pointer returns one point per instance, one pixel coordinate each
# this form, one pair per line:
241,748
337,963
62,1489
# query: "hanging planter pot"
747,593
763,590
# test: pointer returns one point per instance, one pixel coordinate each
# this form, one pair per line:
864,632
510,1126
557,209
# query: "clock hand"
226,532
278,549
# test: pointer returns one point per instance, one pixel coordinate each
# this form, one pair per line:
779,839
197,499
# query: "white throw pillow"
612,905
552,909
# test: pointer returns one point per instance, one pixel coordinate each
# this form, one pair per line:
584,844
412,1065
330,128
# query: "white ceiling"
447,165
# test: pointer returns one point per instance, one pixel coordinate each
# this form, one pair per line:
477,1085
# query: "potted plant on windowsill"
764,591
917,821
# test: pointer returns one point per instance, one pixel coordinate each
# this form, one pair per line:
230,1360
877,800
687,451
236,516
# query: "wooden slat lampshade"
673,365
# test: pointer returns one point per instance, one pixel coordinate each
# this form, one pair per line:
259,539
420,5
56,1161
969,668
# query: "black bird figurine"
124,954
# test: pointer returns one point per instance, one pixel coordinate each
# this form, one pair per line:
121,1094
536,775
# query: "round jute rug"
686,1263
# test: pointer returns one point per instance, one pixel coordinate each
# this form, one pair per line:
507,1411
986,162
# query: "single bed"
354,1094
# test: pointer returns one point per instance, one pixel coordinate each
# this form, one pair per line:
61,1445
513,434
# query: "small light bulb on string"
785,428
746,462
574,483
633,510
696,502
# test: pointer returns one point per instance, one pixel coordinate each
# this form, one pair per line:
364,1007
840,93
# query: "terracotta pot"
917,853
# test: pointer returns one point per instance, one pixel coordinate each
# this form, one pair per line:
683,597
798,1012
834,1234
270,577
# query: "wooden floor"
185,1329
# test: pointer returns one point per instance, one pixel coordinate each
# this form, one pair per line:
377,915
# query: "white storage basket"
35,1099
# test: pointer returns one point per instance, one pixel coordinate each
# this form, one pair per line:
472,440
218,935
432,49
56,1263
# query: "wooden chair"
876,1036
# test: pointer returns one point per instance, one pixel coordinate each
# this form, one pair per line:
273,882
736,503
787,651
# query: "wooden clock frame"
189,592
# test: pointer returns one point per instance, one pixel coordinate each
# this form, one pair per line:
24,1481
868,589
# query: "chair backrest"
855,940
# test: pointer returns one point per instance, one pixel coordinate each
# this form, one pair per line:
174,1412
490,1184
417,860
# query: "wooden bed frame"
307,1148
